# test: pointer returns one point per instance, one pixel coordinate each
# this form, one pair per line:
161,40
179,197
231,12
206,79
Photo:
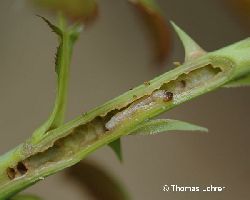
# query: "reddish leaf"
157,26
242,8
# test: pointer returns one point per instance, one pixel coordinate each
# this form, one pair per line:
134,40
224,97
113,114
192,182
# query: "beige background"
110,58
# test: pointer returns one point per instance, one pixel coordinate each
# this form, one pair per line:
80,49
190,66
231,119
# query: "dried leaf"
157,27
242,9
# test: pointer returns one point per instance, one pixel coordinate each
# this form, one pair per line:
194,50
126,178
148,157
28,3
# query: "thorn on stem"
192,49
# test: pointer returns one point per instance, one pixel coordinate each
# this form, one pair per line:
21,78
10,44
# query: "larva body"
141,104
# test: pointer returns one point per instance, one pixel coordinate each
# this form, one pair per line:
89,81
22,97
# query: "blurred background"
113,55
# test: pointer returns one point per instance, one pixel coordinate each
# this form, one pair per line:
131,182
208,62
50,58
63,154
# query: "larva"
159,95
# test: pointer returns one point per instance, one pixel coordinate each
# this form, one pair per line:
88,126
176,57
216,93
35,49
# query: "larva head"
162,95
168,96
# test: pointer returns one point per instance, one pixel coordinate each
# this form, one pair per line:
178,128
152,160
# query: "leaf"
192,49
162,125
240,82
77,10
59,32
54,28
116,147
67,38
157,26
25,197
75,31
97,181
242,9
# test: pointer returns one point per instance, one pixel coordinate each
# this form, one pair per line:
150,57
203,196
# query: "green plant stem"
63,58
64,146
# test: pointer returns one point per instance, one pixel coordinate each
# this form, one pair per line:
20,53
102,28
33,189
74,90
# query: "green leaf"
59,33
192,49
240,82
67,37
54,28
25,197
75,31
116,147
97,181
162,125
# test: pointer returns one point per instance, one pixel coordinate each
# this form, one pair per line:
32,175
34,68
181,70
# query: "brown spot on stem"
146,83
84,114
11,173
21,168
183,83
176,63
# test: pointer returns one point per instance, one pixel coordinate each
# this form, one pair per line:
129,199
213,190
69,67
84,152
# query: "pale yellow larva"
141,104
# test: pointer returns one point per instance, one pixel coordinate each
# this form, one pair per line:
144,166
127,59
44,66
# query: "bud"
76,10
